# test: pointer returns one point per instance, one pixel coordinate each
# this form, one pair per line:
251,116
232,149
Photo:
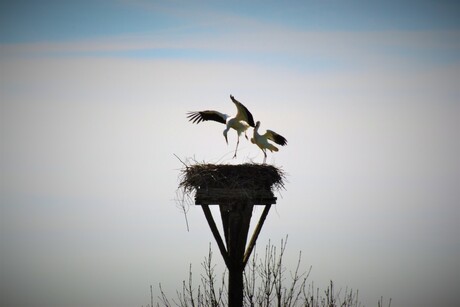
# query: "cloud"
265,44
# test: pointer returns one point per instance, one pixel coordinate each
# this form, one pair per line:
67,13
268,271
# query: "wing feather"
198,117
243,112
275,137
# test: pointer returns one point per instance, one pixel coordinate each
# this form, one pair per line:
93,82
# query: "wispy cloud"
280,46
227,33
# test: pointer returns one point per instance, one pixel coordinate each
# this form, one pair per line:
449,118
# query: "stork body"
262,140
240,122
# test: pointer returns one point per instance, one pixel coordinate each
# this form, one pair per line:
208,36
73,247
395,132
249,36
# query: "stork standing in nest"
240,122
262,140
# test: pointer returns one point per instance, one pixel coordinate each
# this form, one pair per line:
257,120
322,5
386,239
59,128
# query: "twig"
185,164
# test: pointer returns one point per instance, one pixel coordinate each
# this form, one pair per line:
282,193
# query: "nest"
248,176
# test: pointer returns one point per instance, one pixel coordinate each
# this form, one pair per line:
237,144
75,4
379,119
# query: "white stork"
262,140
240,122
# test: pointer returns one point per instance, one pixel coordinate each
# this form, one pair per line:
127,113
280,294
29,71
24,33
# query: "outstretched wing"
243,112
275,137
198,117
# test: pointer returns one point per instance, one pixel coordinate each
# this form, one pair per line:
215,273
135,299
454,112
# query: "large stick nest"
248,176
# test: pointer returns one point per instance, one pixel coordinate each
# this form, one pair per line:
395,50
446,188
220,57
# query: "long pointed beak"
226,140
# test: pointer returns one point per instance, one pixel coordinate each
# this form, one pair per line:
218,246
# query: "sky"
93,102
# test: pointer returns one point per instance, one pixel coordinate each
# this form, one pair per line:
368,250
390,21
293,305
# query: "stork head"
257,125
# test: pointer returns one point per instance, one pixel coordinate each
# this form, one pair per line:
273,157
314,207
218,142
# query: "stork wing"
275,137
198,117
243,112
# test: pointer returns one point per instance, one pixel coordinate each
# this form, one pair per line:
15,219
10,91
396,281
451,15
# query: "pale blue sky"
93,96
25,21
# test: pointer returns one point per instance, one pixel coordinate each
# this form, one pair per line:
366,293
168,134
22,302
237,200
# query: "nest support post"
236,217
236,189
235,220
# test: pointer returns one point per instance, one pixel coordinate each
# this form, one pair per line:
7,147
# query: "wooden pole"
236,219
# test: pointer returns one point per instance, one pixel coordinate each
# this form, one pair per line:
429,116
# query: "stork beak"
226,140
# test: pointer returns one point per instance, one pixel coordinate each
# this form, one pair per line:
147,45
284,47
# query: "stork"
240,122
262,140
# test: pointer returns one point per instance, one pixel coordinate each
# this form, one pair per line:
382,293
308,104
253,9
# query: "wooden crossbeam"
216,234
255,235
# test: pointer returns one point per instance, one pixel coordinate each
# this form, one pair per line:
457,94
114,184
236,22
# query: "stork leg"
236,149
265,156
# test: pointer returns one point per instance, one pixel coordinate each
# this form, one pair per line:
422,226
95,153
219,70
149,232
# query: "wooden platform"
223,196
